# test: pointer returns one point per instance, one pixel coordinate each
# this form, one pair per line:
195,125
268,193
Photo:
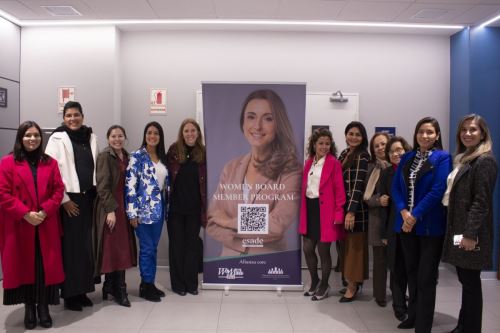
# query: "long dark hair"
198,152
19,152
283,157
485,146
160,148
428,120
347,163
318,133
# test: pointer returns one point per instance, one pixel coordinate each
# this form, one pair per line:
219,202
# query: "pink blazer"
331,200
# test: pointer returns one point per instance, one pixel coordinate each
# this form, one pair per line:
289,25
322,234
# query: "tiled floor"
254,311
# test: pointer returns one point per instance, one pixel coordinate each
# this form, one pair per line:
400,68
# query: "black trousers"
379,272
422,255
398,279
184,251
471,311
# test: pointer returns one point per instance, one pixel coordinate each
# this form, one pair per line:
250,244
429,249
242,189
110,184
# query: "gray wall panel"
9,116
10,35
7,138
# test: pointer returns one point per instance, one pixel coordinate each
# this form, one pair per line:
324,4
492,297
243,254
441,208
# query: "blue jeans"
149,237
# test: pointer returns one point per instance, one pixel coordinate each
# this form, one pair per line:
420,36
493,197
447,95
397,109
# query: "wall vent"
61,11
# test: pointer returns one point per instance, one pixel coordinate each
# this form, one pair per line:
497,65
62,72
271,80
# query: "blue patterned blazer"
143,198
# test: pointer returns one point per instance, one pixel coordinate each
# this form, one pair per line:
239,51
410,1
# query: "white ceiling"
452,12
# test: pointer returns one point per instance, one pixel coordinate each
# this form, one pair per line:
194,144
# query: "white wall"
400,78
86,58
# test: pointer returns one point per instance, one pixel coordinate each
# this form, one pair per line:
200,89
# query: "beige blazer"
282,195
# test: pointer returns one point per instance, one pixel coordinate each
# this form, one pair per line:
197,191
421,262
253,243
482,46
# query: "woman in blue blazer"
417,190
146,189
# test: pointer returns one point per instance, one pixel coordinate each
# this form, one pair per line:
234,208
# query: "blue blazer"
143,197
430,186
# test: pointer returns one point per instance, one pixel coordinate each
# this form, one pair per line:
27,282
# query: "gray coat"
470,212
376,213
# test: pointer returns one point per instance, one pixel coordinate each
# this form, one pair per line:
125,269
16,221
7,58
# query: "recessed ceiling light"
62,10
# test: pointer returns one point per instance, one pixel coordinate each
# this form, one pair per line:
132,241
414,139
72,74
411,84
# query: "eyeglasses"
397,151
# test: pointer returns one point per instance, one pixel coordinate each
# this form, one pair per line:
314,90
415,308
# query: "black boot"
107,286
29,316
148,292
44,315
158,291
73,303
120,289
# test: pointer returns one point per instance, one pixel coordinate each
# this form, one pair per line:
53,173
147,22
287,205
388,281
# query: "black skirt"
313,222
78,257
37,293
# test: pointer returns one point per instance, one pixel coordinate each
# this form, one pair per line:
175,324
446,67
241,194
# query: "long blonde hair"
463,154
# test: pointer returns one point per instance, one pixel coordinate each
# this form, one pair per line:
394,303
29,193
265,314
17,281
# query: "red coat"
17,236
331,200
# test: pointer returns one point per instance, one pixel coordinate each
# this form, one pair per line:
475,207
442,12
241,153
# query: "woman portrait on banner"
321,209
418,188
74,146
31,190
354,161
146,195
269,174
114,240
394,150
377,203
186,162
468,243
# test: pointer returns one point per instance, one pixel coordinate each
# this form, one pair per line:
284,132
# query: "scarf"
81,135
374,177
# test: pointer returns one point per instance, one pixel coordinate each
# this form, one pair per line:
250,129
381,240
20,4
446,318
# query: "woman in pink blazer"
321,211
31,190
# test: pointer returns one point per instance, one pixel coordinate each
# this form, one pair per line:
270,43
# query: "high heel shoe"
344,299
317,297
313,289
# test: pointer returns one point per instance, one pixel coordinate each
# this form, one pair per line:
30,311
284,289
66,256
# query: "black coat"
354,185
470,212
387,227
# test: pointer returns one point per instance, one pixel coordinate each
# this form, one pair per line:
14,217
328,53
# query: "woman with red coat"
321,210
31,190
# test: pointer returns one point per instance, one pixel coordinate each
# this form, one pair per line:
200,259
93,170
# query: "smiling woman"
146,190
186,162
114,241
74,146
271,163
321,210
31,190
418,187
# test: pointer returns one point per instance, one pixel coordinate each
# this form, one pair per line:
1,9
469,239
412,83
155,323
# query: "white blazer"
60,148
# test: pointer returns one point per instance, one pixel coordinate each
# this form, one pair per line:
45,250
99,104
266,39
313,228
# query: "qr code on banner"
253,218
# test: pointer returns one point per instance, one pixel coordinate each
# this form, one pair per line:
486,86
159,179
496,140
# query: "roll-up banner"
254,140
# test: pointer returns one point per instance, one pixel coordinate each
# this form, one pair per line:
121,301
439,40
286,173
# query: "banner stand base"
228,287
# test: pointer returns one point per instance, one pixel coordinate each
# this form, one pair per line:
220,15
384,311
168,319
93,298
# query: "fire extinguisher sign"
158,101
